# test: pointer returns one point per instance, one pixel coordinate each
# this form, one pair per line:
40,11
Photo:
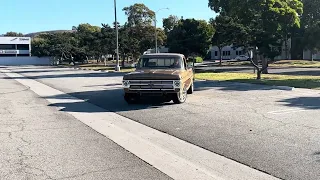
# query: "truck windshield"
160,62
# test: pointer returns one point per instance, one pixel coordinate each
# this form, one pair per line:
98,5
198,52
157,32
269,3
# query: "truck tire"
191,89
180,97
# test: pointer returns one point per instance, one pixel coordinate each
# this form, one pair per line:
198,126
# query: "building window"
7,46
23,46
224,53
237,53
228,53
216,53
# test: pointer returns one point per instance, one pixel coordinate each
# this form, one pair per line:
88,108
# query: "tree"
40,47
139,15
190,36
310,21
311,38
64,45
89,39
227,32
13,34
267,22
139,29
169,23
311,12
107,39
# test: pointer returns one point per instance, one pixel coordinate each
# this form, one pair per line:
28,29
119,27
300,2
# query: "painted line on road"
176,158
287,111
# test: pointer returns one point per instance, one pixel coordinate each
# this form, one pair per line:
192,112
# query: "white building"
307,55
17,51
15,46
228,52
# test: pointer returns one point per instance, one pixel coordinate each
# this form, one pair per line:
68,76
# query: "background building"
15,46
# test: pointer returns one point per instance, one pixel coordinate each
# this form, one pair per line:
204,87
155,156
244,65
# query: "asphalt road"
38,142
269,129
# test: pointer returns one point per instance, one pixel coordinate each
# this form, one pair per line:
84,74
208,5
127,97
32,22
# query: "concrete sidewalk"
40,142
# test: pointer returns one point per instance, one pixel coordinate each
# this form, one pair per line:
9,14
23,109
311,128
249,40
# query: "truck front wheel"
180,97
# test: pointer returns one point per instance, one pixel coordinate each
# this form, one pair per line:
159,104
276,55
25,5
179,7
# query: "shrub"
199,59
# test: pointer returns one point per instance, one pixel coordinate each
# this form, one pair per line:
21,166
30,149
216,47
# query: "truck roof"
162,55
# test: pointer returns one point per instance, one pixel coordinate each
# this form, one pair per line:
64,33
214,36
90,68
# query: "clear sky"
27,16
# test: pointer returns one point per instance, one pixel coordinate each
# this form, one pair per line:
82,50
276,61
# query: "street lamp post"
155,25
117,68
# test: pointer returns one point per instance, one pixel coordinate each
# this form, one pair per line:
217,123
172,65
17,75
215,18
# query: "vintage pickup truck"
167,75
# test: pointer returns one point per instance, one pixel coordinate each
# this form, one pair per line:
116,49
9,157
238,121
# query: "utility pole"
117,68
155,25
156,33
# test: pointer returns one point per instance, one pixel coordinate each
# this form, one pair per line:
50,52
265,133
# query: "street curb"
288,88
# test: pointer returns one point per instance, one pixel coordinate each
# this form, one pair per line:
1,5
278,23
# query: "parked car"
242,58
166,75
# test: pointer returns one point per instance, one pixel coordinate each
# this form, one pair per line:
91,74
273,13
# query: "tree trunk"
312,52
264,66
123,60
286,46
255,59
220,54
259,74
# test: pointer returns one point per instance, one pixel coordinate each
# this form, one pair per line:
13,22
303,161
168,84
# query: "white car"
242,58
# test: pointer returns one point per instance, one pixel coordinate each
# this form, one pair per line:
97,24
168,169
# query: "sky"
28,16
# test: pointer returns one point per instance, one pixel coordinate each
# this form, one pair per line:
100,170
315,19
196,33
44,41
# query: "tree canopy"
13,34
139,15
190,36
267,22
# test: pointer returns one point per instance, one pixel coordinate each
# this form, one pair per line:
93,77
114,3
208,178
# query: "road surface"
38,142
269,129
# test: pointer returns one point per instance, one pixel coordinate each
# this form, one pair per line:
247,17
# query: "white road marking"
174,157
287,111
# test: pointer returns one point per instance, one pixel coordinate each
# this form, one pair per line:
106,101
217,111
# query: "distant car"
242,58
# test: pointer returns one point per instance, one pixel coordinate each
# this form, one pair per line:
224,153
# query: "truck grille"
151,85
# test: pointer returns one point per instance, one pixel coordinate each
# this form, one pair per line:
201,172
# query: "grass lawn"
280,64
311,82
296,63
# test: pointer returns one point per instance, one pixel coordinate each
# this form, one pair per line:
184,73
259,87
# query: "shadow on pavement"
303,102
317,154
110,100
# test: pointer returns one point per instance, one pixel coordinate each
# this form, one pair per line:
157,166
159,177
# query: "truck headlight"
126,84
176,84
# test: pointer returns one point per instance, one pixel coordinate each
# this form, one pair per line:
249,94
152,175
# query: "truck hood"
153,74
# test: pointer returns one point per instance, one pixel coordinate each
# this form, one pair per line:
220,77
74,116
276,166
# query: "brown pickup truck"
163,74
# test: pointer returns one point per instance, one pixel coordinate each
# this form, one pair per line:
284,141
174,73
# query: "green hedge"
199,60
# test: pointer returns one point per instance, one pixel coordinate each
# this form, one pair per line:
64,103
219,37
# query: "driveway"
269,129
